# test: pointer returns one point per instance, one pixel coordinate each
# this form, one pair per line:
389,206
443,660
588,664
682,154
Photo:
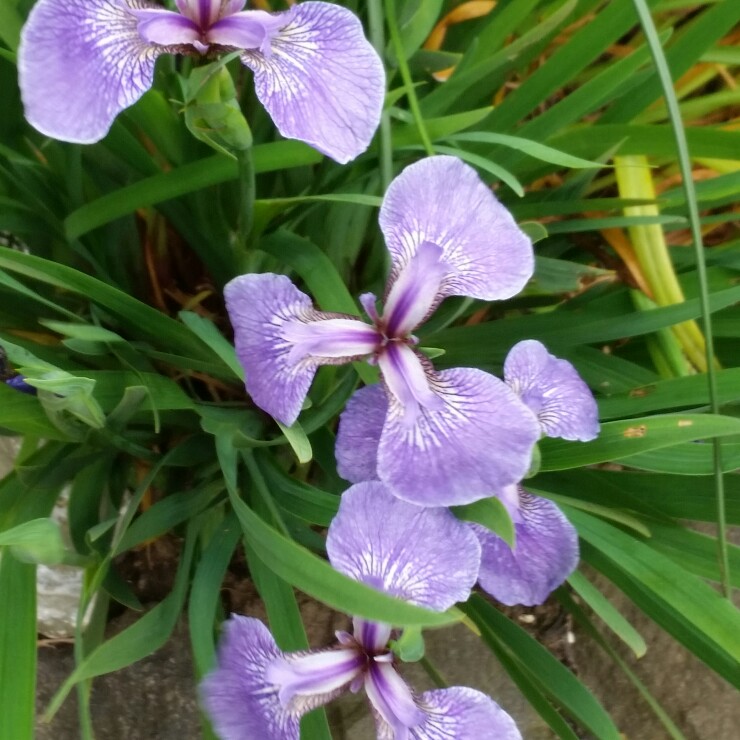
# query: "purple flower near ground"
545,552
81,62
553,390
447,437
546,547
424,556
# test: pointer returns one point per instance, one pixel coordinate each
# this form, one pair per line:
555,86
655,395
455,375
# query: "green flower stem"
377,35
247,190
651,250
261,487
664,348
403,67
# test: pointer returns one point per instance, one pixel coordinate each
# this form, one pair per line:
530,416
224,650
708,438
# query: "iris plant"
545,552
81,62
448,437
423,556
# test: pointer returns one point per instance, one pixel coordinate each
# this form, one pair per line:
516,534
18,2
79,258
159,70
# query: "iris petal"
422,555
414,290
322,82
358,436
553,390
441,200
80,63
408,380
545,554
278,345
392,700
165,27
373,636
329,339
237,696
479,441
252,29
463,714
317,676
202,12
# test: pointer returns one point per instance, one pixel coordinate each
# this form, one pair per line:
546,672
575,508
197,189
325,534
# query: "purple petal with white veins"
479,441
236,695
252,29
545,554
414,291
323,82
80,63
422,555
463,714
165,27
358,436
441,200
266,311
392,700
553,390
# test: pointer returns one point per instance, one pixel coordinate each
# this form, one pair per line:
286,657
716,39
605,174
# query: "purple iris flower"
424,556
447,437
546,547
81,62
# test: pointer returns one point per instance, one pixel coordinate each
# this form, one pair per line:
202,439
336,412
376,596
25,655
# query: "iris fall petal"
442,201
422,555
80,63
553,390
478,442
240,701
322,81
281,339
544,555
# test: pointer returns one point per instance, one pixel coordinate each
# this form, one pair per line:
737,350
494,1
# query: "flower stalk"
634,181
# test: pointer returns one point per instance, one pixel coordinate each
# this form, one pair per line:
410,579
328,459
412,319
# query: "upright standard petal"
441,200
545,554
80,63
281,339
358,436
238,698
553,390
425,556
463,714
322,82
479,441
